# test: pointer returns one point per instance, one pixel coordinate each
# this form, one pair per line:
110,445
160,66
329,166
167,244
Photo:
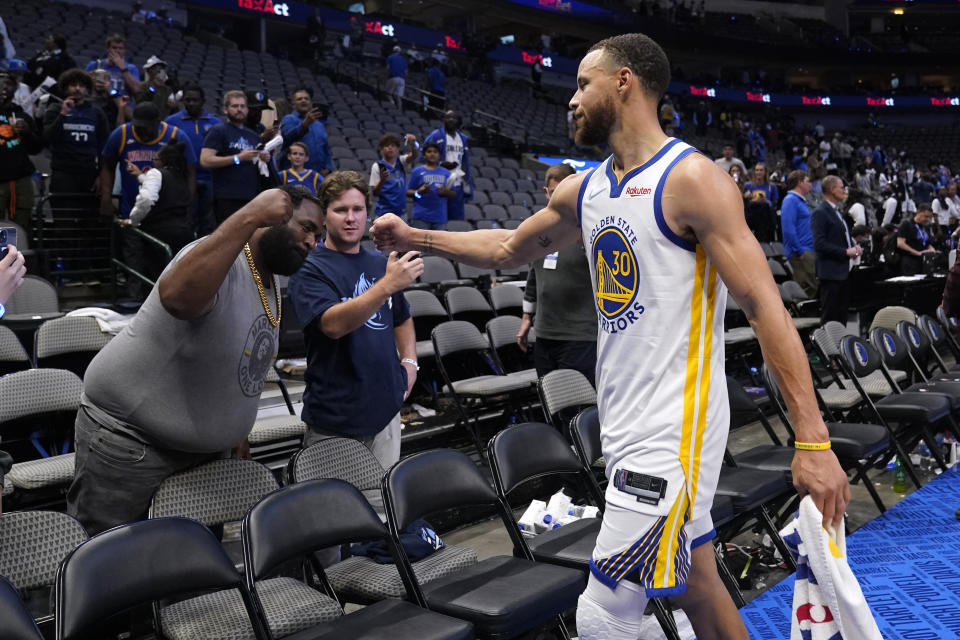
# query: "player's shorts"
648,548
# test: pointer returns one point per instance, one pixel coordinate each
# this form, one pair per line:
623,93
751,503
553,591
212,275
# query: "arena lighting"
898,11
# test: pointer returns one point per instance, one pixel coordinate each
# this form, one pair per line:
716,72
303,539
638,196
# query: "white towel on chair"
827,601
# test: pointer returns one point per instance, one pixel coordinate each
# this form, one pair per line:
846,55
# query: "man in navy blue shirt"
396,76
75,130
350,303
230,153
194,121
304,125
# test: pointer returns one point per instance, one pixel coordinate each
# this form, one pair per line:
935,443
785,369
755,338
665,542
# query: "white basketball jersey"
661,383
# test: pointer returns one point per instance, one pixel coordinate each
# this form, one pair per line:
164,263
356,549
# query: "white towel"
827,601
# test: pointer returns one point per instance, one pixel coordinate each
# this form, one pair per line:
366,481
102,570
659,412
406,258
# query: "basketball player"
665,235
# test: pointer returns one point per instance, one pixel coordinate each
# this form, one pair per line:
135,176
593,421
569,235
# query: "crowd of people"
177,170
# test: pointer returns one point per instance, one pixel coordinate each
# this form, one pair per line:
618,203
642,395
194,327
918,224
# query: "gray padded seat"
570,545
36,299
562,388
44,472
344,459
488,385
841,399
7,487
361,579
13,357
290,606
406,620
274,428
67,335
739,335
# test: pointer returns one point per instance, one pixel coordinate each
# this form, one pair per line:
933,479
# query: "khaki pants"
805,272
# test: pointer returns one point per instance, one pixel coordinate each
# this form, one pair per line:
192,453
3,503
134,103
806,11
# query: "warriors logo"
616,272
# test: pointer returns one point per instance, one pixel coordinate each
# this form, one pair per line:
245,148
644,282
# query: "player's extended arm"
544,232
700,201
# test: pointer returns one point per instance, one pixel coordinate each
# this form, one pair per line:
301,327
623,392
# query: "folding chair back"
305,517
889,317
35,296
860,358
502,334
585,433
341,458
426,310
891,348
70,342
145,561
431,482
437,269
917,341
562,389
467,303
463,340
34,543
39,391
18,624
13,357
507,300
213,493
937,334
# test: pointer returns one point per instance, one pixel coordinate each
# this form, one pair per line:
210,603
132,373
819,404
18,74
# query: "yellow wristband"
812,446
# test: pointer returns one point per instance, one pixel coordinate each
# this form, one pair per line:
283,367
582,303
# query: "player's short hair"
829,182
298,193
338,183
558,172
302,145
302,89
234,93
642,56
431,145
924,206
114,37
794,178
75,76
192,85
387,139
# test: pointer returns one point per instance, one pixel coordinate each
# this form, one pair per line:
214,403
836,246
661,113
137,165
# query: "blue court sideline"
908,564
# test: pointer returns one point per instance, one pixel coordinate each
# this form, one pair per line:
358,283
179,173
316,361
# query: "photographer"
304,125
388,175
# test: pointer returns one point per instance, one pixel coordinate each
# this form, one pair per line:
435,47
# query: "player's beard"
282,254
595,129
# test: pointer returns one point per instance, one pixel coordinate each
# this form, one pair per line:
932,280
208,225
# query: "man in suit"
834,248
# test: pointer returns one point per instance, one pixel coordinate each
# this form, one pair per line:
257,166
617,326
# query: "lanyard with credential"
922,235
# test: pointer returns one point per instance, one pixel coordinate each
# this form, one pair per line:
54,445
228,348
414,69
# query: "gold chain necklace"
263,294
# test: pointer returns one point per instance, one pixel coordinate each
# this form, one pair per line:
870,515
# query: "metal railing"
116,263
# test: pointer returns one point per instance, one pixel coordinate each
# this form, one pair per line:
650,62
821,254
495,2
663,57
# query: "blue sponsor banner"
813,99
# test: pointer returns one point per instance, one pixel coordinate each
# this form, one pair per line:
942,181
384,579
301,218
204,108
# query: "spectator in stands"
559,301
361,346
136,143
890,207
316,37
51,61
305,125
194,122
230,153
257,103
835,249
428,186
944,208
124,77
163,203
19,138
156,88
209,332
727,160
117,108
75,131
438,84
760,183
396,77
797,235
455,155
21,95
702,118
923,189
298,155
913,240
856,210
388,175
737,174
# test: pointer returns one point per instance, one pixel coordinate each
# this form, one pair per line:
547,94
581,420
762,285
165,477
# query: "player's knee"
610,614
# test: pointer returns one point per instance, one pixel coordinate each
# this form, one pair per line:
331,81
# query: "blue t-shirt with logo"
123,145
237,181
354,384
196,130
393,194
429,206
117,85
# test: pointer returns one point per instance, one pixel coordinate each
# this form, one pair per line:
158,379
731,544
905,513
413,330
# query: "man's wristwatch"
415,364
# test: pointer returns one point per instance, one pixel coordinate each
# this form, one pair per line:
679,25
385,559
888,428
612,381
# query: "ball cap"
153,61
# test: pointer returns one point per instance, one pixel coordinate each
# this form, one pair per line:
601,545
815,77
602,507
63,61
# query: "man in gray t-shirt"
559,302
180,384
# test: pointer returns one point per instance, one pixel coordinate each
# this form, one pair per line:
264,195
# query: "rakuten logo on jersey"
639,192
266,6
